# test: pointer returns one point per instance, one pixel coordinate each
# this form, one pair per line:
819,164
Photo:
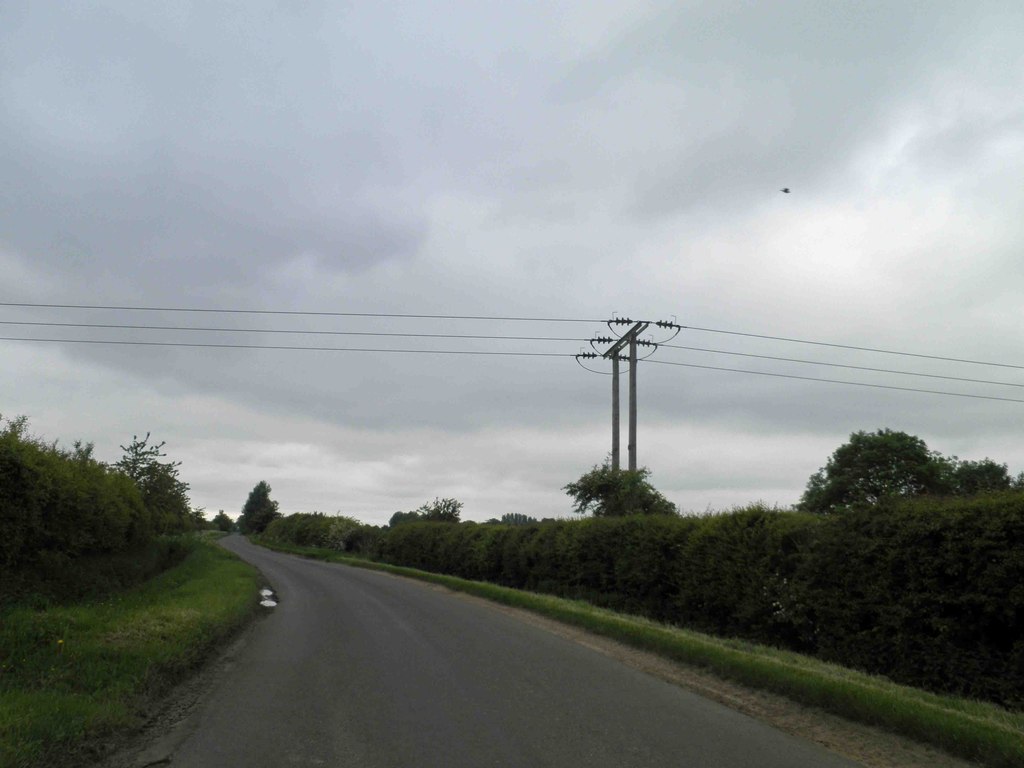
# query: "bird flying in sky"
785,189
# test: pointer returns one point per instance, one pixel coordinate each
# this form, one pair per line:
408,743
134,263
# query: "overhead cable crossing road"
622,334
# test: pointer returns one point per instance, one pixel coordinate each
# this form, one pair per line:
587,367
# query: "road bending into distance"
362,668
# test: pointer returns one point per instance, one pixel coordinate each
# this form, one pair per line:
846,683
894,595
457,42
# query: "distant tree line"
513,518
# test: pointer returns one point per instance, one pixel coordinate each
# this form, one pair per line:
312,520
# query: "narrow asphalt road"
359,668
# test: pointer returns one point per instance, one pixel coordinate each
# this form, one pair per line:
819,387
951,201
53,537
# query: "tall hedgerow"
59,506
926,592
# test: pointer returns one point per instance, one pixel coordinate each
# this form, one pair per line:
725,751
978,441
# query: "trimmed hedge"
928,593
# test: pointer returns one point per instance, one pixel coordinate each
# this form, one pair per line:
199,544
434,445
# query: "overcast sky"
563,160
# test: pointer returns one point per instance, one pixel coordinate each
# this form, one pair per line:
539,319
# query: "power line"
286,347
853,347
837,381
497,318
298,313
842,365
487,337
493,354
289,331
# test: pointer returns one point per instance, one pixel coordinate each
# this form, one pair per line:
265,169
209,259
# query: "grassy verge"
72,676
970,729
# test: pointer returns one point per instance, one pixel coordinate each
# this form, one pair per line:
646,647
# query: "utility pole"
632,400
630,338
615,354
615,412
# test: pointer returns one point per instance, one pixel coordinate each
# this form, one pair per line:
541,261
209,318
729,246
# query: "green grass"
970,729
75,675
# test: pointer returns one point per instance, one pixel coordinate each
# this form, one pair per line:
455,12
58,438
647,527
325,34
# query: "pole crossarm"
623,340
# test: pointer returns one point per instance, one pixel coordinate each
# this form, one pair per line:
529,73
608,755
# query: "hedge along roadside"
72,524
59,504
74,675
970,729
928,594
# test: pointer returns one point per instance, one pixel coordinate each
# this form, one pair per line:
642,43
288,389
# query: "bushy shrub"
302,529
315,529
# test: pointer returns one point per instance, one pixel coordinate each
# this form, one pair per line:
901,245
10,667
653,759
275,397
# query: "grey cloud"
212,143
485,161
762,96
372,390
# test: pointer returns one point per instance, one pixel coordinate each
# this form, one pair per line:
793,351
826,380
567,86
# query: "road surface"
360,668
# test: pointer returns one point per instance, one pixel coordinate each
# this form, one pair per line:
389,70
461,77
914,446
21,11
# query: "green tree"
441,511
199,520
222,522
517,518
608,492
436,511
163,492
986,476
872,466
403,517
259,510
